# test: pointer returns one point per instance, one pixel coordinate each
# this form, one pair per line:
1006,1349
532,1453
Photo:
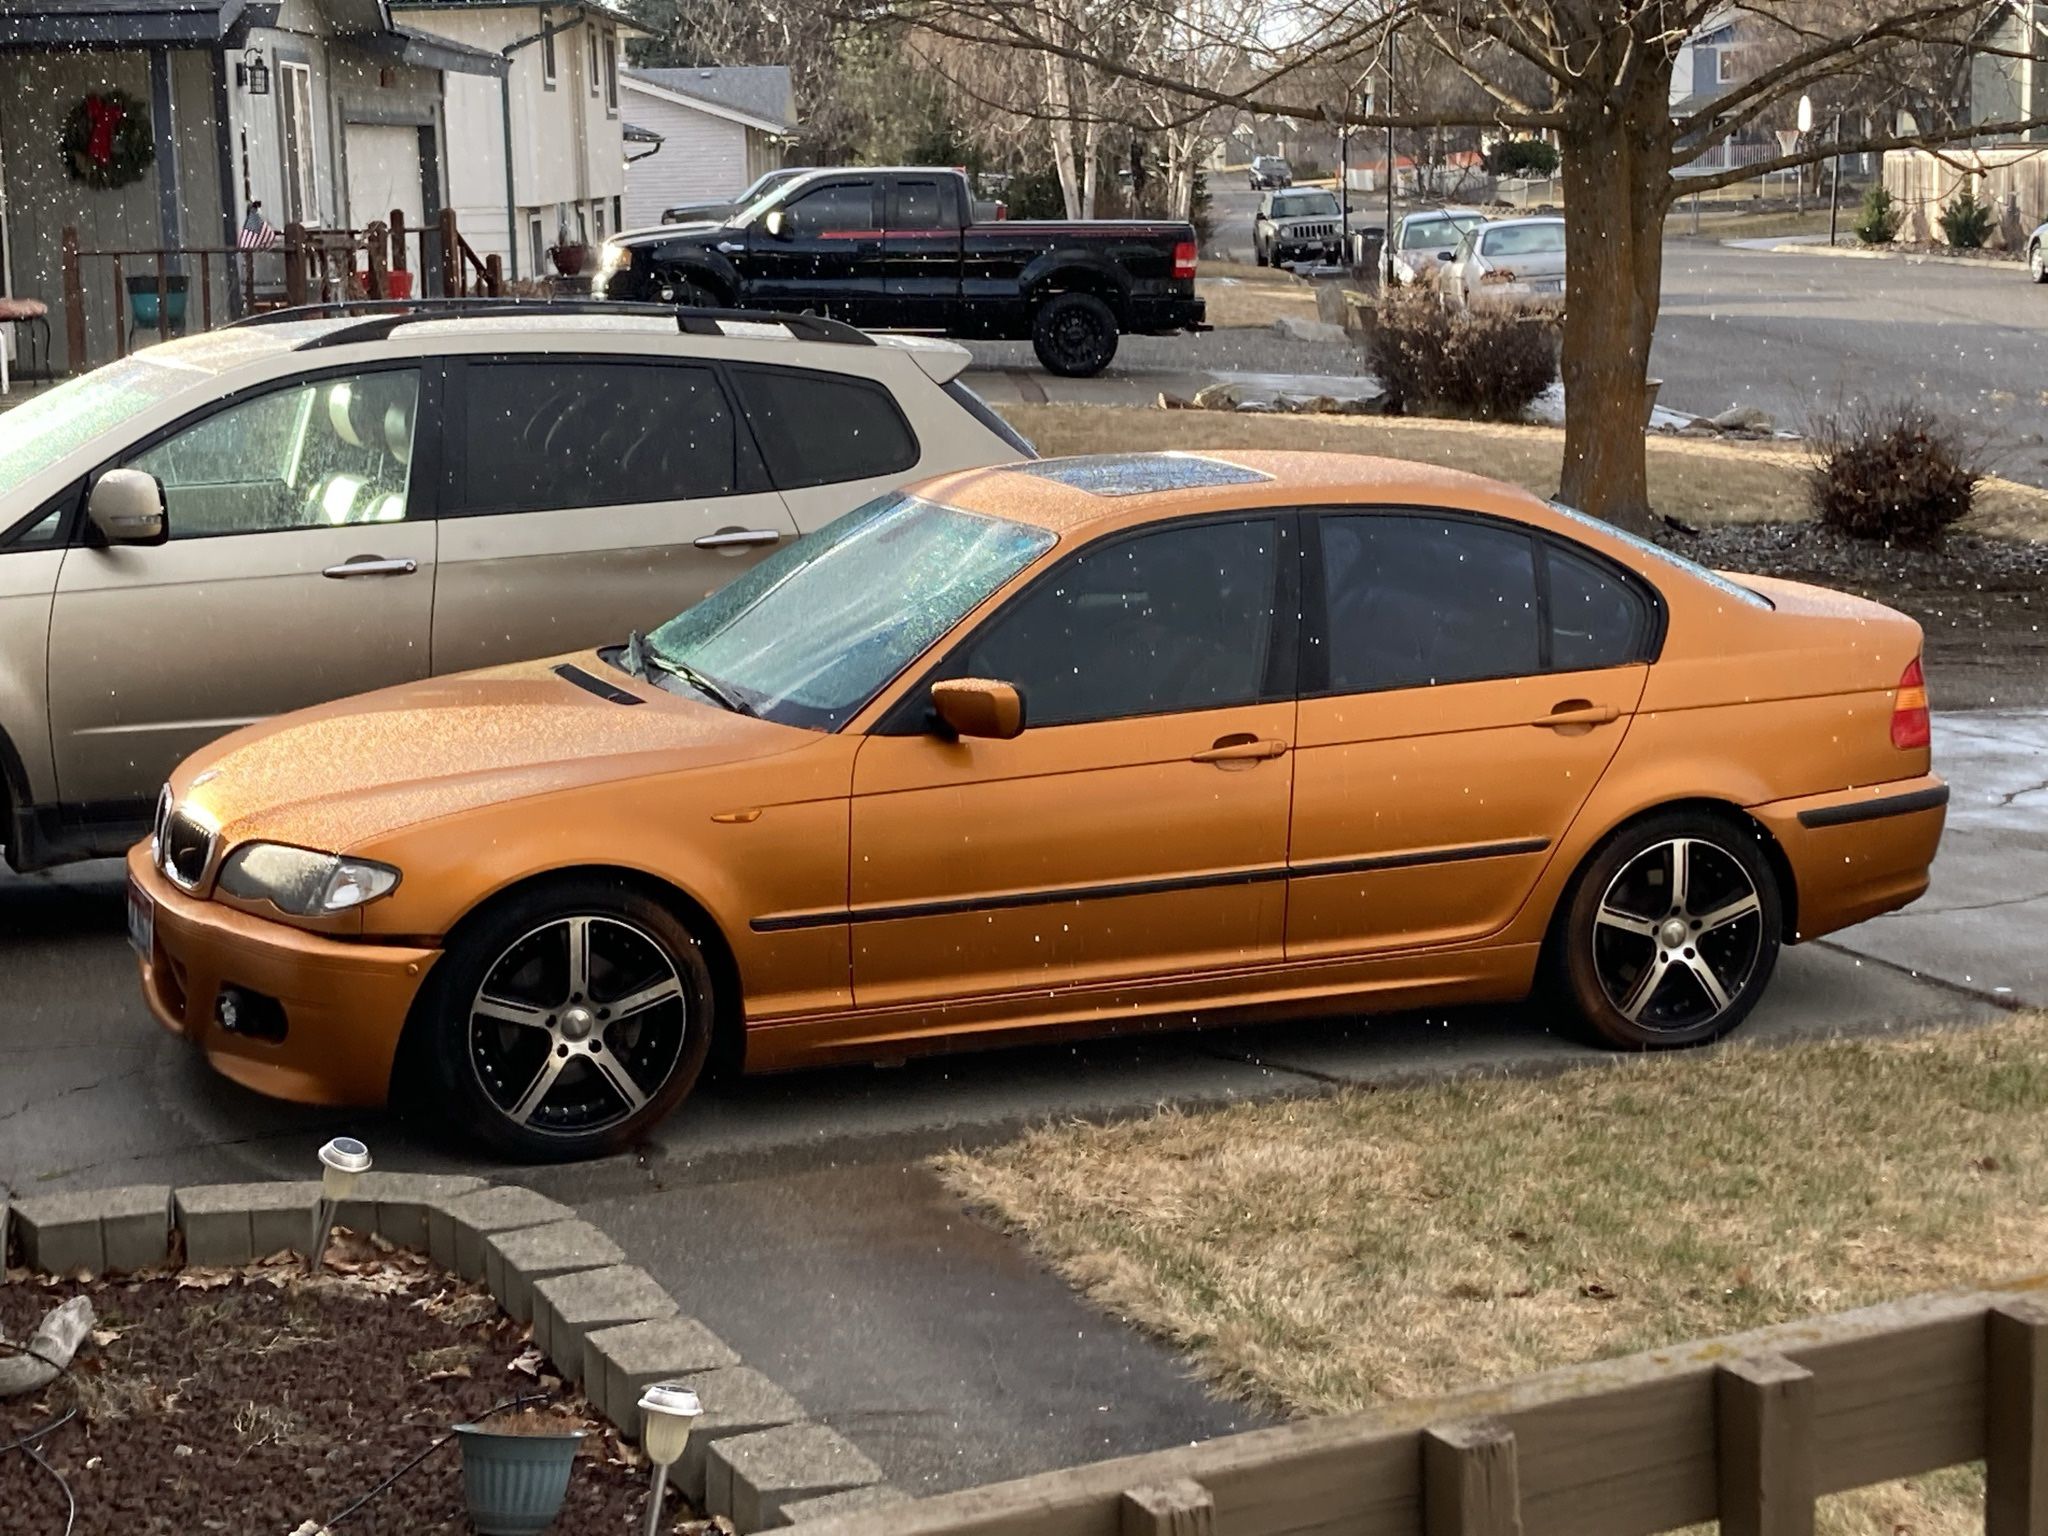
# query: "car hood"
338,775
661,234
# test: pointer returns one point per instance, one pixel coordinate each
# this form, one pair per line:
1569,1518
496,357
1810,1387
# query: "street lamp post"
1798,175
1835,179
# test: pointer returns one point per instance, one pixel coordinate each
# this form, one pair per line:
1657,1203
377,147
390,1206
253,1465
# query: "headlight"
613,257
302,882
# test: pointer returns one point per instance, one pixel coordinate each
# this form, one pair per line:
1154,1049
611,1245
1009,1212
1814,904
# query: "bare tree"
1597,74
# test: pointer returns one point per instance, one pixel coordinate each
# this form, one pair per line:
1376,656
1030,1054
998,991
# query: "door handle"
1578,712
1241,749
731,247
371,565
739,538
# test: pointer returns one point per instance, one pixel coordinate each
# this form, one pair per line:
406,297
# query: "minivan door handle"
370,565
1581,713
739,538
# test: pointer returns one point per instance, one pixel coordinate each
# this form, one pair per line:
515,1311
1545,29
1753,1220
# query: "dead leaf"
529,1361
105,1336
1985,1164
452,1373
1595,1291
181,1450
205,1279
93,1463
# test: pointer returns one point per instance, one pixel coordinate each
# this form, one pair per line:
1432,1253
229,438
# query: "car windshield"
1299,205
37,433
812,633
1523,240
1437,233
765,194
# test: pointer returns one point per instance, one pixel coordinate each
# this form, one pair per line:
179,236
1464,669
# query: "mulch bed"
256,1399
1982,601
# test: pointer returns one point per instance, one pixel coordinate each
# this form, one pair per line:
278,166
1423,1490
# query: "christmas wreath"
107,143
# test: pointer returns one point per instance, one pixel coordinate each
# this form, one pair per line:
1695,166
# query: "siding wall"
702,158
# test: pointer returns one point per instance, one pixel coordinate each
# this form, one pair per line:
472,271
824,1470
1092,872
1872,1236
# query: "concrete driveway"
795,1216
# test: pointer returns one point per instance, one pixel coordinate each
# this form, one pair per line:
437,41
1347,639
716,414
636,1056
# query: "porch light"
343,1162
252,74
668,1410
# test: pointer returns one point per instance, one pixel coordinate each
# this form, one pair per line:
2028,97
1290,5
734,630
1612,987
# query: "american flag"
257,233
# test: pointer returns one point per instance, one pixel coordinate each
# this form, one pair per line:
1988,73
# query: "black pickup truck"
899,249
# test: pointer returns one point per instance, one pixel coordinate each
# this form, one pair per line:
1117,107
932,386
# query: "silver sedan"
1508,262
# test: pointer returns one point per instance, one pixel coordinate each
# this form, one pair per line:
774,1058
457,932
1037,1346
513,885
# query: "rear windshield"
1523,240
1436,234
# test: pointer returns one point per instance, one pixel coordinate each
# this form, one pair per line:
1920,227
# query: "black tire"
1258,254
1074,335
489,1068
2037,263
1630,961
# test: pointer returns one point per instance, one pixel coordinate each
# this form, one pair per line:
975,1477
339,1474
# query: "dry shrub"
1894,472
1489,363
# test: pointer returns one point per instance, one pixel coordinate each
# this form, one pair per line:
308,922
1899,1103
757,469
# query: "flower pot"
569,260
397,285
515,1482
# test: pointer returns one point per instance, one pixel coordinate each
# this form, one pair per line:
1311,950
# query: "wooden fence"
1921,181
1748,1430
307,266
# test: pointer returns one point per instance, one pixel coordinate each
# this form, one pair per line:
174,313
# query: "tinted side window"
846,205
1181,619
916,205
1596,618
821,428
1415,600
571,433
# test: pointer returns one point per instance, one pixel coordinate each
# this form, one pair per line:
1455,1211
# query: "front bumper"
1856,853
344,1002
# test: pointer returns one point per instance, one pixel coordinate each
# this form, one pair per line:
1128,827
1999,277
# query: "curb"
1857,253
609,1328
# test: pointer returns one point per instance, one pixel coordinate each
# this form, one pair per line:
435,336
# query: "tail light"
1909,709
1184,259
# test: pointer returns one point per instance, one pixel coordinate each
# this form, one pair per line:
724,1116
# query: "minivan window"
541,435
823,429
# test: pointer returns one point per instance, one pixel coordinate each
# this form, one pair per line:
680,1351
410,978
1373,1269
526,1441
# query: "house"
544,154
1715,58
719,129
2009,75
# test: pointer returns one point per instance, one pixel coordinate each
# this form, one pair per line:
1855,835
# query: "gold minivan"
226,527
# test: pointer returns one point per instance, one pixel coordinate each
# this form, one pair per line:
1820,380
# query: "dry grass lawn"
1253,296
1693,479
1328,1254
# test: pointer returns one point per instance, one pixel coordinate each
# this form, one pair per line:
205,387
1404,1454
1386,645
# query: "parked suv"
1269,171
1299,224
245,522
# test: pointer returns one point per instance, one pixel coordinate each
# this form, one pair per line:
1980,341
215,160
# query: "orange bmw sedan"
1058,747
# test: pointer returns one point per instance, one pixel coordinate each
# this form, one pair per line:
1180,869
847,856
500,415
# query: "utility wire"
510,1402
27,1443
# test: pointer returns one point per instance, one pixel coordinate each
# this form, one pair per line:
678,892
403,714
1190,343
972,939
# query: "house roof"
759,95
604,12
135,23
424,50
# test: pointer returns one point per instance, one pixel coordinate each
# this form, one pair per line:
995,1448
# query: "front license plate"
141,921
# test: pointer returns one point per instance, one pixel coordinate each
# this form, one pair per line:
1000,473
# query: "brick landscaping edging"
609,1327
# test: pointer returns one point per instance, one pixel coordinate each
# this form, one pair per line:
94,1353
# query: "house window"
611,72
540,250
547,50
301,183
590,52
582,226
597,221
1727,66
618,213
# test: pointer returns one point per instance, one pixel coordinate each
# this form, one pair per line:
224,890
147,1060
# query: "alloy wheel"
2035,264
577,1025
1677,935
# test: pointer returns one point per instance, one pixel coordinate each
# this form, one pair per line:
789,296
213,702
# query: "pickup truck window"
841,206
917,205
566,433
821,429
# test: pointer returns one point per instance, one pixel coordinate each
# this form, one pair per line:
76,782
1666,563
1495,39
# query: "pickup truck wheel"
685,294
1074,335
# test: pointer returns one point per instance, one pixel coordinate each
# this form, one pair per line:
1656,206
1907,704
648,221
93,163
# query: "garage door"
384,173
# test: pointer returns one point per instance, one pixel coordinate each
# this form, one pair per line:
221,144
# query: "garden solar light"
667,1411
343,1161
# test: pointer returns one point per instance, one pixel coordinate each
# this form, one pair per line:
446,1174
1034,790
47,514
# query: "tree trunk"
1060,128
1617,183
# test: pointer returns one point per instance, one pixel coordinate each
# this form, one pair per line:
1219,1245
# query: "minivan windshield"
39,432
817,629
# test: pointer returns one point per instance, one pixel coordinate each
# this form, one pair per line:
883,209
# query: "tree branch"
1685,186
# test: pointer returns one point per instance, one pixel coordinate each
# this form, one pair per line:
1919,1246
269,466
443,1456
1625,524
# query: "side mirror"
976,706
776,225
1445,255
127,507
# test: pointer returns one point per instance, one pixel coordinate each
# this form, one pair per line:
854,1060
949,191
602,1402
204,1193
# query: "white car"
2037,253
270,516
1508,262
1421,240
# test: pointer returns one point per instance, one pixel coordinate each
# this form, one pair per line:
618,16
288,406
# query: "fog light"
240,1011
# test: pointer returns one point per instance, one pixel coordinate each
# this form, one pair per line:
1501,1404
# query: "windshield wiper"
642,660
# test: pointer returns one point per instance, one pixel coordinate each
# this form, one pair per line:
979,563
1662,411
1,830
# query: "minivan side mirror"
127,507
979,706
776,225
1445,255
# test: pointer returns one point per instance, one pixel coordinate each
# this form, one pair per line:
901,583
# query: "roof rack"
378,318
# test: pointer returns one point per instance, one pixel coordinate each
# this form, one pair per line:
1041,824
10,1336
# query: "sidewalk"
1817,245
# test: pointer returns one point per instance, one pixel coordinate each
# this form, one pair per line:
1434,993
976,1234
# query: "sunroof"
1135,474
